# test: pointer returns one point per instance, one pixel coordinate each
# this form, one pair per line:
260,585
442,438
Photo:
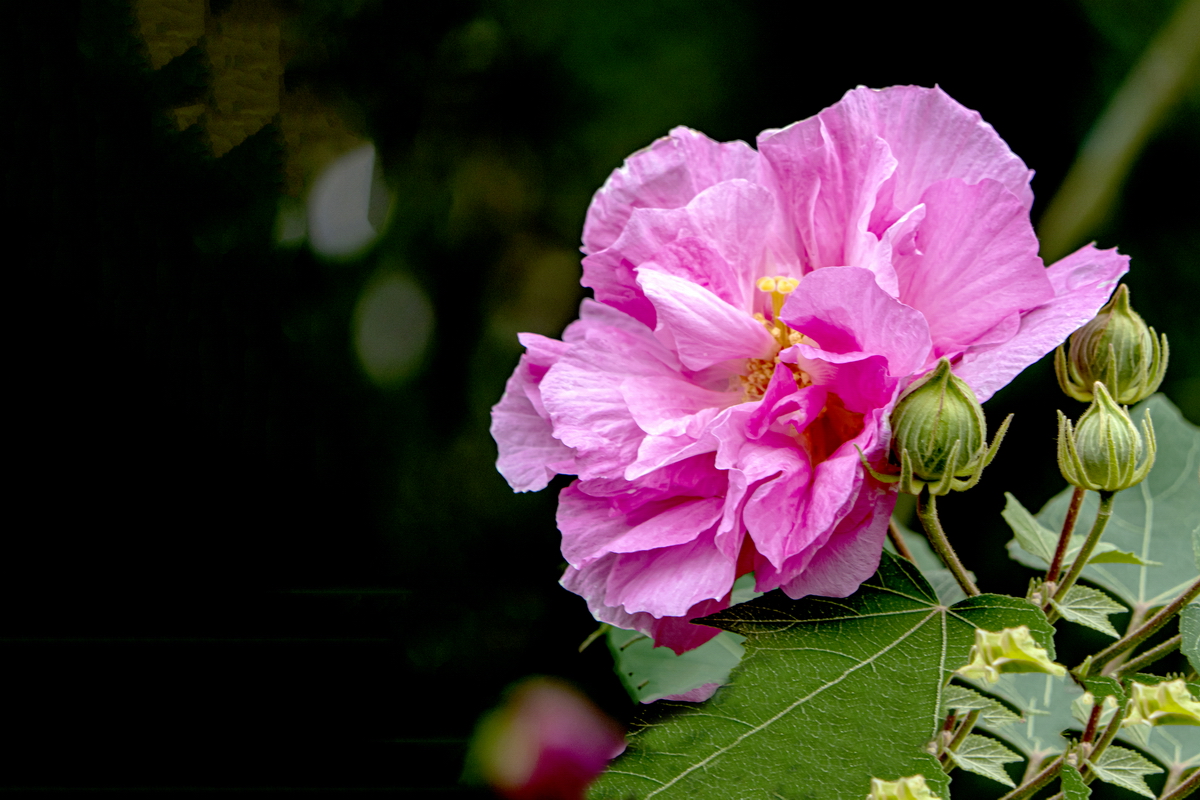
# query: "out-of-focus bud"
1009,650
1116,348
1167,703
939,435
545,742
1102,451
913,788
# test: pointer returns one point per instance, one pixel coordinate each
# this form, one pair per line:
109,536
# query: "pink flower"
547,742
756,314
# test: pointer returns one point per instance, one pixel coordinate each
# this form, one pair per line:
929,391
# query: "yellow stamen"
779,287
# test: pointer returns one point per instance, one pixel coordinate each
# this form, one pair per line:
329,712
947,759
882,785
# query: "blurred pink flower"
756,314
547,742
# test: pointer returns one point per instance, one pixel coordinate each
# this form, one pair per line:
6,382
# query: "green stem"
1064,538
1148,629
959,736
1036,782
898,541
1184,789
1105,740
1093,538
1146,658
927,513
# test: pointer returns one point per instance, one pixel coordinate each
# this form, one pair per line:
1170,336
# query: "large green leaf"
822,679
1153,520
1189,626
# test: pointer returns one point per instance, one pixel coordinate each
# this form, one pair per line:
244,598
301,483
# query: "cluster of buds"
939,435
1008,650
1167,703
1115,359
1117,349
911,788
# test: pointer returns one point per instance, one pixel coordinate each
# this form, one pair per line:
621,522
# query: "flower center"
759,370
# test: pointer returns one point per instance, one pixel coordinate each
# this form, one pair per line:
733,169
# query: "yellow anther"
786,285
766,284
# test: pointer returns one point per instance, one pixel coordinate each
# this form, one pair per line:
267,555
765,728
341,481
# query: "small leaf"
1032,536
1090,607
992,712
651,673
1073,787
1189,627
985,757
1106,553
1102,686
1124,768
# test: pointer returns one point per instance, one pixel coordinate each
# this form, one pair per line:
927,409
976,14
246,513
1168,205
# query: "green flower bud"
939,435
1167,703
913,788
1116,348
1009,650
1101,452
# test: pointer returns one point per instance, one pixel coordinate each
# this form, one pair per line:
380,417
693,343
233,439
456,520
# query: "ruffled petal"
704,329
667,174
846,311
977,263
529,455
1082,284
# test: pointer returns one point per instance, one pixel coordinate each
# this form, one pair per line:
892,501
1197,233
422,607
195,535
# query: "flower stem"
1064,538
1036,782
927,512
1089,544
1182,790
1149,628
1147,658
898,541
1105,740
959,736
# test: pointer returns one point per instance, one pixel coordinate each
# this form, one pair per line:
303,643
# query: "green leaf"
1189,627
1125,768
1073,787
821,678
985,757
1038,541
1045,703
1090,607
651,673
1154,519
992,711
1102,686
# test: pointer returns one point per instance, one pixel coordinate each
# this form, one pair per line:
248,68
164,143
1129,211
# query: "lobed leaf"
821,678
991,711
1073,787
985,757
1125,768
1040,542
1090,607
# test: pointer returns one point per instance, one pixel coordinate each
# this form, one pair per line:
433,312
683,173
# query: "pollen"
779,287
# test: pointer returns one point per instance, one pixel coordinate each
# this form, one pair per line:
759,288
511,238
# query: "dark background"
237,561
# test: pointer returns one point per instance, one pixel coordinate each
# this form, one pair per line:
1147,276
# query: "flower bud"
1167,703
939,434
913,788
1116,348
1009,650
546,742
1101,452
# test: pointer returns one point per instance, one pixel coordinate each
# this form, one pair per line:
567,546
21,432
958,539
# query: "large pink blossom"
756,314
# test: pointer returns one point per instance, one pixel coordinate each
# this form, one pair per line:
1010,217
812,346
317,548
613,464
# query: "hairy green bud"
1008,650
1103,450
1116,348
912,788
939,435
1167,703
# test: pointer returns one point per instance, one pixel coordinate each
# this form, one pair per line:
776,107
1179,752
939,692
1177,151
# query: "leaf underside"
1125,768
985,757
804,715
1090,607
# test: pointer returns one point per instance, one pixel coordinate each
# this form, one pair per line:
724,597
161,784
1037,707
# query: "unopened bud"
1116,348
913,788
1103,450
1009,650
1167,703
939,435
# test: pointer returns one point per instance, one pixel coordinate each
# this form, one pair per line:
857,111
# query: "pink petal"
977,263
667,174
529,454
696,695
705,329
852,553
1082,284
845,310
673,406
667,581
